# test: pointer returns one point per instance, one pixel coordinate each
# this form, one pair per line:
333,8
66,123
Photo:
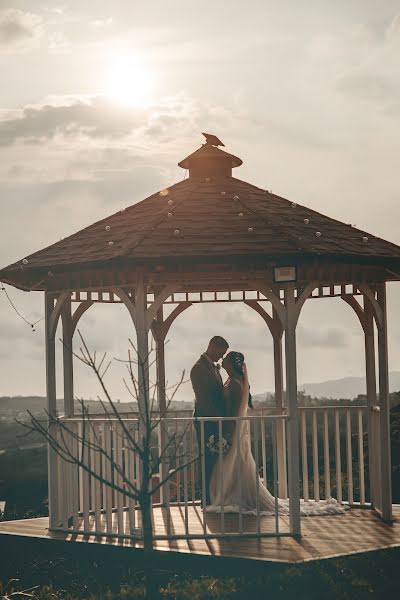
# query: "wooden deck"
322,537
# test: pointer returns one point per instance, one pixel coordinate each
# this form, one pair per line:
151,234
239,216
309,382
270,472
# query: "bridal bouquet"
214,444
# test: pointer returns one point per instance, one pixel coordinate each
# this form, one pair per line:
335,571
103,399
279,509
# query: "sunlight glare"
129,82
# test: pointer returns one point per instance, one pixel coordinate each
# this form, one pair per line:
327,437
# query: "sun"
129,82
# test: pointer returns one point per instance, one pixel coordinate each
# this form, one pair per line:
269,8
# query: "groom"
209,402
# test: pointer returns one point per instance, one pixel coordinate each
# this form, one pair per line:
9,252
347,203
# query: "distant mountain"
347,387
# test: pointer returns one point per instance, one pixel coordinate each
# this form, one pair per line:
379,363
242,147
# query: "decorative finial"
212,140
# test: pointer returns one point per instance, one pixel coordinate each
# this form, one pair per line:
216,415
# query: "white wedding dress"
239,489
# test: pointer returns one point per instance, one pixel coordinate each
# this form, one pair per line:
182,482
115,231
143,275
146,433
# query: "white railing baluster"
338,460
275,472
79,444
192,466
130,459
203,475
63,481
238,426
57,509
96,483
92,481
138,474
84,481
168,500
304,461
102,465
327,467
108,490
256,453
221,476
118,479
75,478
263,453
69,471
185,480
177,463
315,455
349,457
361,456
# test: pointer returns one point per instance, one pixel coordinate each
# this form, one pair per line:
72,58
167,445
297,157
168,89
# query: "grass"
78,572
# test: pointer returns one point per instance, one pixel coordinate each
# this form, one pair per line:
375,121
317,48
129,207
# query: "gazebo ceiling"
210,217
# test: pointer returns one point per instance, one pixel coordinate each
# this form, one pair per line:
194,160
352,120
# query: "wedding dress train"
239,485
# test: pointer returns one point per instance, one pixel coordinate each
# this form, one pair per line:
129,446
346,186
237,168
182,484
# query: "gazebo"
214,238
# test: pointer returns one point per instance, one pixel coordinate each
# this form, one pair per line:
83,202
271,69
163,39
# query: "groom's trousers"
209,458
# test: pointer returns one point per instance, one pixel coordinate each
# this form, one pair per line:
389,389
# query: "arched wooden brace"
161,326
273,298
56,312
358,309
127,300
378,311
159,300
79,312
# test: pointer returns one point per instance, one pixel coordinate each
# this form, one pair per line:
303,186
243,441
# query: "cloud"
101,23
18,27
96,117
91,138
323,338
360,62
88,117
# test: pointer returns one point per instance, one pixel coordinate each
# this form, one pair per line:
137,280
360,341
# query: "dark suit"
209,402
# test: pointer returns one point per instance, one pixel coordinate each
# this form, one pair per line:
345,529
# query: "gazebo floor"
322,537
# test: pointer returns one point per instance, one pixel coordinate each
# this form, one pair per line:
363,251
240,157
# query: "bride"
242,495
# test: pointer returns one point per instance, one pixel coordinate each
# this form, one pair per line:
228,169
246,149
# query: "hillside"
346,387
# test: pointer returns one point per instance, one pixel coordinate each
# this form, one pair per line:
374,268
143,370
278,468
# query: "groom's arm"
199,383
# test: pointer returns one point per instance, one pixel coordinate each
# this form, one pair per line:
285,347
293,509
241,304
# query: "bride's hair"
237,361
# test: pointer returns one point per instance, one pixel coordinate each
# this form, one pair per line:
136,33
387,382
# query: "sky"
99,101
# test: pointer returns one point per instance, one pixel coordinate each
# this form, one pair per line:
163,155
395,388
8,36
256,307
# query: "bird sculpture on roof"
212,140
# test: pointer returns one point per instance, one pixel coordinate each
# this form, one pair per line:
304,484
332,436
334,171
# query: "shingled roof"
206,218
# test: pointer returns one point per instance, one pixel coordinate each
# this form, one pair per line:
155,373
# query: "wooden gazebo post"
50,329
384,404
279,408
276,329
68,366
291,395
142,340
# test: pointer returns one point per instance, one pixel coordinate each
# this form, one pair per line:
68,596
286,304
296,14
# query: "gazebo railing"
333,463
334,455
